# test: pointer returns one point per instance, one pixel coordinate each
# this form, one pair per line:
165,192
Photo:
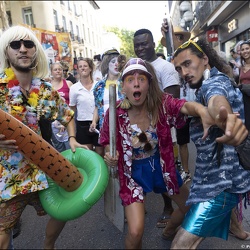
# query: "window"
89,35
9,17
69,5
64,23
28,16
77,33
93,38
55,17
71,30
84,35
75,10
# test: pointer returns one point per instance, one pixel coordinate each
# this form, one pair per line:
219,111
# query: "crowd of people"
195,95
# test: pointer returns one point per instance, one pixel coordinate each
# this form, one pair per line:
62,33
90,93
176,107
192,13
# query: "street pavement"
94,231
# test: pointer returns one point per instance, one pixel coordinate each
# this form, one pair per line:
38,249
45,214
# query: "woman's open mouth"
137,95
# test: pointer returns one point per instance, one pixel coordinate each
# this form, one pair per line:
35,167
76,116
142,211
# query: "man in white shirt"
168,78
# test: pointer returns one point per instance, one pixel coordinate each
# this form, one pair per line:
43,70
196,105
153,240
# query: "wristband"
71,137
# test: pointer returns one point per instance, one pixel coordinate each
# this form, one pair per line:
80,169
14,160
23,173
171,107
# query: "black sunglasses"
28,44
144,139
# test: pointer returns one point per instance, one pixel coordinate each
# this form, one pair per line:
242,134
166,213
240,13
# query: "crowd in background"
154,95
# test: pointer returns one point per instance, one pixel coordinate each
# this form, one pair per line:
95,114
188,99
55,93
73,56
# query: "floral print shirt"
217,166
19,175
170,115
99,94
138,147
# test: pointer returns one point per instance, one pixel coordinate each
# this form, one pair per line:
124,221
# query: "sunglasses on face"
28,44
144,139
187,44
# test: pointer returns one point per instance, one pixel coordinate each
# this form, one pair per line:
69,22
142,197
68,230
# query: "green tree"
159,48
126,38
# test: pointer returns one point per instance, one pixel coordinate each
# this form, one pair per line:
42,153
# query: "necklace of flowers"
15,96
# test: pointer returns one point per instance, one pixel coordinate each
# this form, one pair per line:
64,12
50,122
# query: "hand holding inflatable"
63,205
41,153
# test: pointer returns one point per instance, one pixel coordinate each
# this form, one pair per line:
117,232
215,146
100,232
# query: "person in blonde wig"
29,99
40,63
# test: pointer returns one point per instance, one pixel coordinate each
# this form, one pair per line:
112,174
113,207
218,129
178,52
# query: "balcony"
81,41
57,28
72,36
204,9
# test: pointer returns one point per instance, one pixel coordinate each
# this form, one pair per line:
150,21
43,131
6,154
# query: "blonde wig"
41,68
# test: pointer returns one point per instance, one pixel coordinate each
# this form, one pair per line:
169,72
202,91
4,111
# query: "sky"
134,15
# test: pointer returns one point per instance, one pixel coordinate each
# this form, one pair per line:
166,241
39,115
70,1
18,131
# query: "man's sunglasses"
28,44
187,43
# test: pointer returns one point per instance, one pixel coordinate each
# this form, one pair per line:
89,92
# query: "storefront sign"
212,35
232,25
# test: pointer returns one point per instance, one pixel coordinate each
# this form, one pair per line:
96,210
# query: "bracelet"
71,137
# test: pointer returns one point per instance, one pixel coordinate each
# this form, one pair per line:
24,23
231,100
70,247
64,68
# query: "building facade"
78,18
224,23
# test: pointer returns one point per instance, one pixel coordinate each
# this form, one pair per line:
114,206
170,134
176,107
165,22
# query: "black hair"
143,31
215,60
161,54
97,57
232,50
242,60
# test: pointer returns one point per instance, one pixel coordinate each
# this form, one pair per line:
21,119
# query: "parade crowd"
161,104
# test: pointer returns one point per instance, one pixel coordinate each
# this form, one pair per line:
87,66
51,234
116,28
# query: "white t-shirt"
84,101
190,93
97,75
166,73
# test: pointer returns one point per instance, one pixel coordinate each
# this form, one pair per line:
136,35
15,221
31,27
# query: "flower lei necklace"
32,111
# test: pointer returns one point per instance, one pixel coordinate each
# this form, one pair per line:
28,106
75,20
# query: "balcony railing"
205,8
72,36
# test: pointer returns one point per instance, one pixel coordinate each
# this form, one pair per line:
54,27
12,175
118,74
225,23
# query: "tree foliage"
126,39
159,48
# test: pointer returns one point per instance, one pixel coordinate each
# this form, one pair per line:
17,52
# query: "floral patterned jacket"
130,191
99,95
18,175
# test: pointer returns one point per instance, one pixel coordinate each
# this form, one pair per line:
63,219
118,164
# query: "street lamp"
187,15
185,6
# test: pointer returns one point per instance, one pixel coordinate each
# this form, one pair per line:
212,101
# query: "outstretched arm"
198,110
234,129
219,113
